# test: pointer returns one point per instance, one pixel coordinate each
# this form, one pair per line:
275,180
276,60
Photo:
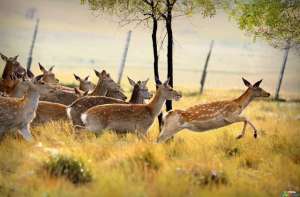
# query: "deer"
139,94
48,92
17,113
204,117
13,68
49,111
128,117
109,88
48,76
84,83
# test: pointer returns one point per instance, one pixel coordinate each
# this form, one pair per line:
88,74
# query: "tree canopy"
277,21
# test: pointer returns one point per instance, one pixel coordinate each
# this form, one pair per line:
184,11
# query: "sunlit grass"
193,164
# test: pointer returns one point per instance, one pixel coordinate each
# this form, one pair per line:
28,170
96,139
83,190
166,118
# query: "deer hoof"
239,136
255,135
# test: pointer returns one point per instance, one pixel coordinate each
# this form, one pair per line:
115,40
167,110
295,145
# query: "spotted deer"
48,76
17,113
49,111
214,115
85,84
139,94
13,68
128,117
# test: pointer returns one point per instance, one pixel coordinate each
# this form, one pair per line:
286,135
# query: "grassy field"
193,164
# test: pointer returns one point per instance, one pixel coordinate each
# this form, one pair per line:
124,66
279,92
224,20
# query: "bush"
72,169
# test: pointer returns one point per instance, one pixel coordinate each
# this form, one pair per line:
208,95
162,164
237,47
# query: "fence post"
122,65
29,60
285,57
202,82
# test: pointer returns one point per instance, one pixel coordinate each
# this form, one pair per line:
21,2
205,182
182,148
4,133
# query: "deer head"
12,67
255,90
48,76
84,84
167,92
140,91
106,85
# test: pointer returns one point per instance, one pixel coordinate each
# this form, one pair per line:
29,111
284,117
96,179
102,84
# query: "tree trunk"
170,52
155,58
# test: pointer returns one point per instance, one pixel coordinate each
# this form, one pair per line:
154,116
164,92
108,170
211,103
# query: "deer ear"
15,58
167,82
42,68
87,78
51,68
145,82
97,73
4,57
131,81
247,83
256,85
29,74
76,77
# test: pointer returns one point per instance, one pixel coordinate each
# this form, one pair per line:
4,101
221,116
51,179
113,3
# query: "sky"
77,40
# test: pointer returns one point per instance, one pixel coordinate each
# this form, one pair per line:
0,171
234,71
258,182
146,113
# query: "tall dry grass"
211,163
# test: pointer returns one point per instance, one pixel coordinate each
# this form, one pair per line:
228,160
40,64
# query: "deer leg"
243,131
246,121
254,129
25,132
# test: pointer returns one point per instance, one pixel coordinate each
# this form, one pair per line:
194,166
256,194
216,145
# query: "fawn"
17,113
13,68
139,94
85,84
213,115
128,117
48,76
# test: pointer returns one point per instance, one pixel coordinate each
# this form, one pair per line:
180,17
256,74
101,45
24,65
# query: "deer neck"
31,99
136,97
100,89
245,98
157,103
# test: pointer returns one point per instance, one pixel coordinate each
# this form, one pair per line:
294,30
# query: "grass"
193,164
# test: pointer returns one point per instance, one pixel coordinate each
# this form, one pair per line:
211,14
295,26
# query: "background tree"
170,9
276,21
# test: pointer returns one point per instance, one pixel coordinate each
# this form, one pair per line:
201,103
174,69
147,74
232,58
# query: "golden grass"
193,164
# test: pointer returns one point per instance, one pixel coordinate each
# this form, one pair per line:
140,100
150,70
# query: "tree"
174,8
276,21
143,11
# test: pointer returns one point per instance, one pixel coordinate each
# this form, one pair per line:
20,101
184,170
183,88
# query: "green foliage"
277,21
141,10
68,167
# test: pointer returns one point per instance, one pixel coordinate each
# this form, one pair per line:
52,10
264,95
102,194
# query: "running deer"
214,115
129,117
48,76
17,113
139,94
49,111
85,84
13,68
107,87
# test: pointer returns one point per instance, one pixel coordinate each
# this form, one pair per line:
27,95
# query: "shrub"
72,169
